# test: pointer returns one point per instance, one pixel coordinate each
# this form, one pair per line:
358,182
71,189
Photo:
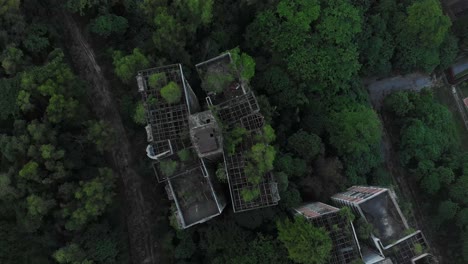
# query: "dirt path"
143,246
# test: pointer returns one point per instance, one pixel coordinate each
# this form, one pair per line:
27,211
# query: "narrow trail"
143,247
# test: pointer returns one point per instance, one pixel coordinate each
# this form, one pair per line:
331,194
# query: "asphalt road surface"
381,88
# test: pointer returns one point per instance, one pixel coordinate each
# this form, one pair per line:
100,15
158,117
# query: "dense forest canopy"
61,201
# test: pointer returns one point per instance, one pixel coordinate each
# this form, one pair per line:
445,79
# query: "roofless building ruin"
391,240
237,111
180,140
339,227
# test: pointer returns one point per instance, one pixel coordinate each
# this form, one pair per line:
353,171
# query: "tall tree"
305,243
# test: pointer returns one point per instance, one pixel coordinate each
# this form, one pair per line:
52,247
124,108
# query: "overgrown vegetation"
171,93
307,58
430,151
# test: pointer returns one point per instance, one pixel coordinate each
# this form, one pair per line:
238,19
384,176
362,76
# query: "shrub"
171,93
107,24
139,115
168,167
152,101
184,155
418,249
261,158
249,195
221,173
234,138
217,81
156,79
305,243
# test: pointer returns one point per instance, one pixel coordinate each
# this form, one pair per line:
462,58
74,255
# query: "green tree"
92,199
24,101
171,93
140,114
80,6
168,167
9,89
38,207
340,22
30,171
71,254
198,12
458,189
304,242
36,39
293,167
127,66
421,33
306,145
61,109
244,64
7,5
157,79
105,25
186,247
11,58
170,34
448,51
447,210
260,161
354,130
100,134
399,103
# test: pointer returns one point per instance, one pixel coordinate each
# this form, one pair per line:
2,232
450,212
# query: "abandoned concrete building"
339,227
181,140
236,107
391,240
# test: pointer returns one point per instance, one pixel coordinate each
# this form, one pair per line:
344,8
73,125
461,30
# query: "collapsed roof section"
168,101
235,106
340,229
391,237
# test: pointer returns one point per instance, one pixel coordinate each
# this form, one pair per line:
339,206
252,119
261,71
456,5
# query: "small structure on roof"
391,237
340,229
206,135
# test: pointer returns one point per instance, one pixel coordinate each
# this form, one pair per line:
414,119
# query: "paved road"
381,88
140,210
